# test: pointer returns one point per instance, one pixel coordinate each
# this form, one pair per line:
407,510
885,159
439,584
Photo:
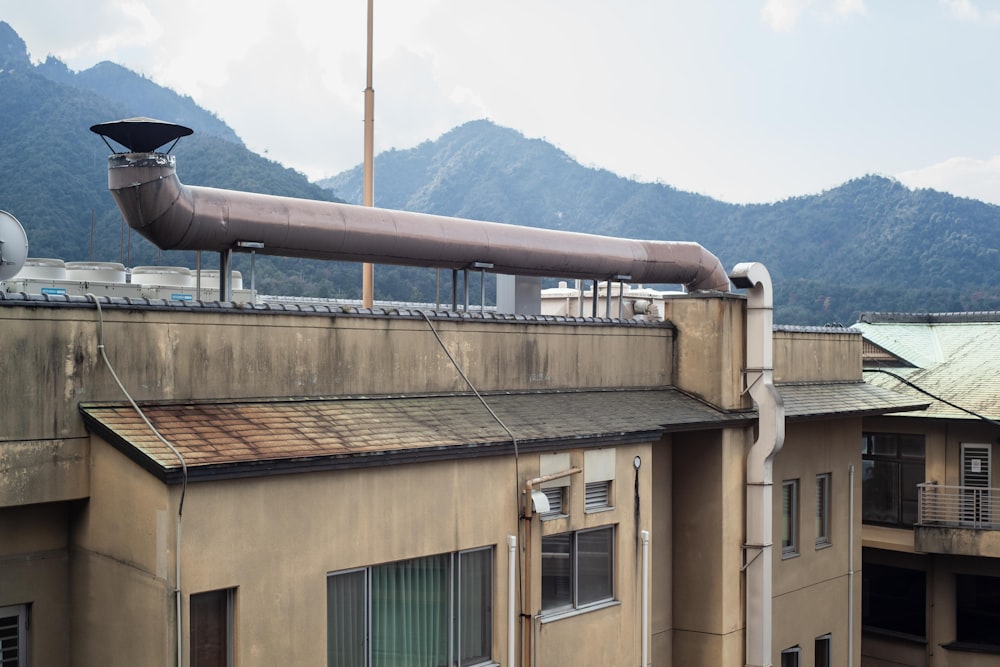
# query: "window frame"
791,656
228,598
823,646
453,604
20,613
902,463
576,603
823,537
791,518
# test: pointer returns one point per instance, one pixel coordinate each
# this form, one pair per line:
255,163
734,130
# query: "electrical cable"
180,457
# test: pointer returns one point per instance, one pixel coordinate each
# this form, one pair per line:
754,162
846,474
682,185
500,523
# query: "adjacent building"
931,530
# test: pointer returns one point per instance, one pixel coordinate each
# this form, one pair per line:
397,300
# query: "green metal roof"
954,356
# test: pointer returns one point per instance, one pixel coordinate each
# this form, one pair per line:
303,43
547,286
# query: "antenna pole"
368,269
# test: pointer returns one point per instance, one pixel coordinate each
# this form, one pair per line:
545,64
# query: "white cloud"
784,15
960,176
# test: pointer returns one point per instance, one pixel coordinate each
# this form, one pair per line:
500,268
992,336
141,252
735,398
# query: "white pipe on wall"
511,600
850,568
755,278
644,535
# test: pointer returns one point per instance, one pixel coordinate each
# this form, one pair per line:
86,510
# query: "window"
822,652
577,569
556,496
893,599
789,518
436,610
977,609
598,473
598,496
892,465
790,657
556,490
14,636
822,510
212,628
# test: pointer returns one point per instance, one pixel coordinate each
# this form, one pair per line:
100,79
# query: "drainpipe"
755,278
511,600
850,569
644,536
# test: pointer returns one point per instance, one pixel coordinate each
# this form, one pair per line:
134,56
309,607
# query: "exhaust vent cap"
141,135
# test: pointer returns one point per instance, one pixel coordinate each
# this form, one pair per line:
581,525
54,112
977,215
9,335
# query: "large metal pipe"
174,216
770,437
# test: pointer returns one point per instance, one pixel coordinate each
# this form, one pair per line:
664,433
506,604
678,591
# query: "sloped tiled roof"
953,356
336,432
818,400
235,438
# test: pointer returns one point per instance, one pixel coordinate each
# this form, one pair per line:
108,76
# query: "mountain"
869,244
53,170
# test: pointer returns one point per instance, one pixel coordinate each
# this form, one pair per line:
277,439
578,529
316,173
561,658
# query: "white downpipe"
755,278
850,568
644,535
511,601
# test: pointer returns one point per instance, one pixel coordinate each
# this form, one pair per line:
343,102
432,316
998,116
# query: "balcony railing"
958,506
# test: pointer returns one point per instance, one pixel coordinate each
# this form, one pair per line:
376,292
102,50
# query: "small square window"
556,496
598,496
790,657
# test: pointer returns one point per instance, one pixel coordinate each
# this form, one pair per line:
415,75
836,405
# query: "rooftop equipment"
175,216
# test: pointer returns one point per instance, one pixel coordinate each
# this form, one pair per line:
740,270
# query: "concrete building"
931,531
217,483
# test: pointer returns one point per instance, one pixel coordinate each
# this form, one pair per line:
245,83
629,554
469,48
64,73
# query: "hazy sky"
742,100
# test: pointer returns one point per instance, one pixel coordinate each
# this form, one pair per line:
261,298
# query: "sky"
746,101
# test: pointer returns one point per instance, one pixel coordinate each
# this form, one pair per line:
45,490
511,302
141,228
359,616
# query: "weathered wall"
275,539
818,572
816,356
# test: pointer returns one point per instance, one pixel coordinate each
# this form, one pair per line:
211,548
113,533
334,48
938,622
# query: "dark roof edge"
930,318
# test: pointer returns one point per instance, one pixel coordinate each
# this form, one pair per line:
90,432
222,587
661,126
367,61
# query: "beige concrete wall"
710,347
816,356
708,528
818,573
162,355
275,539
661,562
34,569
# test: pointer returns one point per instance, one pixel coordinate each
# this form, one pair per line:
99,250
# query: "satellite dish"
13,246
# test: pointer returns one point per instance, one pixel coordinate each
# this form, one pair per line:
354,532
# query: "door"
975,503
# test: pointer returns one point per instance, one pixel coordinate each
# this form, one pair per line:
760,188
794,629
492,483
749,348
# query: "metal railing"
958,506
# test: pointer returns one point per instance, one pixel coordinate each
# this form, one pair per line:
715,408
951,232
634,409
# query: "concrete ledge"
957,540
44,471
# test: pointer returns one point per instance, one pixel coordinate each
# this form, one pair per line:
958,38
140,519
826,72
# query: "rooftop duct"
175,216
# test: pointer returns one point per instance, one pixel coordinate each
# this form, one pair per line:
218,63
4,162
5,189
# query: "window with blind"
556,496
423,612
211,628
577,569
789,518
14,636
598,478
823,510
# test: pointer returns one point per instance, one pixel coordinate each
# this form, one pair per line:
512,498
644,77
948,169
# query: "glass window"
577,569
822,510
977,609
789,517
822,652
790,657
435,610
893,599
211,619
892,466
